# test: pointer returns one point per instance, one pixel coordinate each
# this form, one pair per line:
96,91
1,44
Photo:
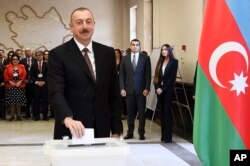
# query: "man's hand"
2,84
123,93
12,83
159,91
76,127
40,83
145,92
18,83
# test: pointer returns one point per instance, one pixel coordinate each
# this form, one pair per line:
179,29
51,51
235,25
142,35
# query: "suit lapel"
78,58
98,62
43,66
168,67
140,61
130,62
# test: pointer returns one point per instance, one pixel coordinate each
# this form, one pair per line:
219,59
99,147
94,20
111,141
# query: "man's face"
1,54
19,53
39,56
28,53
135,46
82,26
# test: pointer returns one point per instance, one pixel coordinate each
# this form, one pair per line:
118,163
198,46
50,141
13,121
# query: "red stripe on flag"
220,27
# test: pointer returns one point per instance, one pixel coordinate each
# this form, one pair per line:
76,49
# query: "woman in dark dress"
118,59
164,80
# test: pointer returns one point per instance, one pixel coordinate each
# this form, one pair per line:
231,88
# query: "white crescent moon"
219,52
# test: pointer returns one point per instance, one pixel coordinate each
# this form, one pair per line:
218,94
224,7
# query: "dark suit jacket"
137,80
72,91
169,76
24,62
5,62
35,71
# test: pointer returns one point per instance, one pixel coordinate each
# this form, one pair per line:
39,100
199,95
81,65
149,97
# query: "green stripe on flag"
214,134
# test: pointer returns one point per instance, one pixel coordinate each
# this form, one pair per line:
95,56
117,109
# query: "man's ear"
70,25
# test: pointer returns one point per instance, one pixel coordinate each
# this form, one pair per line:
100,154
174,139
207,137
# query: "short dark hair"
18,50
136,40
15,55
39,52
81,9
144,52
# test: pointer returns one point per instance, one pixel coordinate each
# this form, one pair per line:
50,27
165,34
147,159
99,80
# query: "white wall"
144,23
178,22
28,28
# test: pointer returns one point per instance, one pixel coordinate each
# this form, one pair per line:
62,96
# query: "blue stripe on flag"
241,12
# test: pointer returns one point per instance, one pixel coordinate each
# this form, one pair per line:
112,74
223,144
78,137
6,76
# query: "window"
133,22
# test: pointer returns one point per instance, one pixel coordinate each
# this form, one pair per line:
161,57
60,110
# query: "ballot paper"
88,137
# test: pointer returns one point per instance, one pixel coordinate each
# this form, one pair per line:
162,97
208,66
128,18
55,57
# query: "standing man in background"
135,79
83,83
2,88
28,62
38,75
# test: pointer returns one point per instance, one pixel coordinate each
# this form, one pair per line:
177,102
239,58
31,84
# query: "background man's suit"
73,92
40,92
134,83
29,85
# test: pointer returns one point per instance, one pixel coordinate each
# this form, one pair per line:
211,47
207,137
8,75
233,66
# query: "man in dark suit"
28,62
38,74
3,60
2,89
83,83
135,79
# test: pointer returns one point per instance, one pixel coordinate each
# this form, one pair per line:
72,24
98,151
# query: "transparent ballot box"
105,151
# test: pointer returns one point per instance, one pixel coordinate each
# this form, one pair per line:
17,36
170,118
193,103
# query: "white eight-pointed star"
239,83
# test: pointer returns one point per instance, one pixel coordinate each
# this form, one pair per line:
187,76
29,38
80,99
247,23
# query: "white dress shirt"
136,57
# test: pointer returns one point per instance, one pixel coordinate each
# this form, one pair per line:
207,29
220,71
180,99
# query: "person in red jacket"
14,76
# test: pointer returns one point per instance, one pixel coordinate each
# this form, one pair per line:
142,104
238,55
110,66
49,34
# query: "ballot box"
104,151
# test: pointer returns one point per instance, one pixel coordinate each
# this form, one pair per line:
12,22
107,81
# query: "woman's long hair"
160,61
120,52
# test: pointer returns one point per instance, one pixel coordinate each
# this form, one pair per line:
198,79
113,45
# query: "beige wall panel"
178,22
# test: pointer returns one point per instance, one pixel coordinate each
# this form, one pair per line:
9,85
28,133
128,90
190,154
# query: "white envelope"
88,137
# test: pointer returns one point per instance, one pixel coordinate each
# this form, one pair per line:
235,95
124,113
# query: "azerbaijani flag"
222,100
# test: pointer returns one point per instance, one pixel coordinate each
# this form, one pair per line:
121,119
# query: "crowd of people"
88,84
23,88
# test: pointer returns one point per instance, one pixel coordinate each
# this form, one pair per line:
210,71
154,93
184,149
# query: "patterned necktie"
29,63
87,60
134,62
40,66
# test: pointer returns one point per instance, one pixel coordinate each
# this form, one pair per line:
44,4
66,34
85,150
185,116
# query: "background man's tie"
134,62
29,63
40,66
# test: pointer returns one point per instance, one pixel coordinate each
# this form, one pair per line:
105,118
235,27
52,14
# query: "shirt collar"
81,47
136,54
